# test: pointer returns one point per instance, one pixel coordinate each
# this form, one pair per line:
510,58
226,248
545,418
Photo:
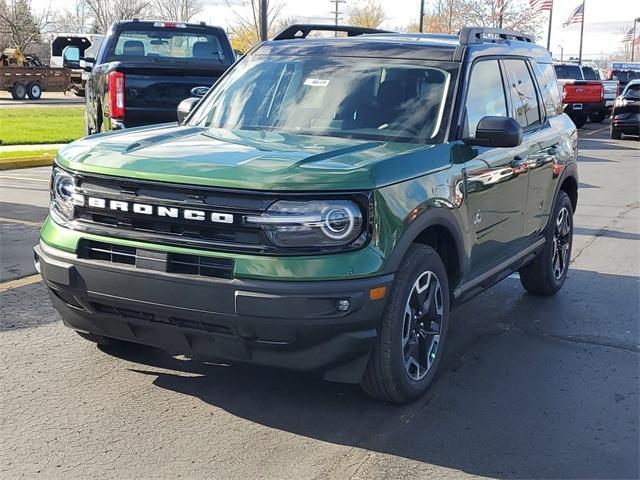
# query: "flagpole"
581,33
549,32
633,40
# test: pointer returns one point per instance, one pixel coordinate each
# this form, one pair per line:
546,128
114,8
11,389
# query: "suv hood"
254,160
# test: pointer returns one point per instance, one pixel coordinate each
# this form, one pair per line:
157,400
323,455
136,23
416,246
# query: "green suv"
324,207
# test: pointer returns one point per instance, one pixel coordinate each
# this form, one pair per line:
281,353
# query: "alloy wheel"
422,325
561,243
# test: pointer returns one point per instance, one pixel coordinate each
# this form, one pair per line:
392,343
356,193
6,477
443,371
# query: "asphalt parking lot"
530,387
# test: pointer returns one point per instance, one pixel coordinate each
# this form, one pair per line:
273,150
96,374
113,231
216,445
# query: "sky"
605,20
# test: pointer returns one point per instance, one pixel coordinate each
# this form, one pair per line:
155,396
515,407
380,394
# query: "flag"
576,16
628,37
540,5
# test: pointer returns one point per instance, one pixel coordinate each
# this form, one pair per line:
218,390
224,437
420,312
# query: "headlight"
63,196
321,223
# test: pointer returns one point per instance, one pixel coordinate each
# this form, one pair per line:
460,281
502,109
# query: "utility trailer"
25,76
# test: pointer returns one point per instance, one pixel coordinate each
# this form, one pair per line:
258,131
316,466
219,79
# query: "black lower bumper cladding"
295,325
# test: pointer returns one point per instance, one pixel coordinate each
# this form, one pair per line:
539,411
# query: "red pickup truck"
582,98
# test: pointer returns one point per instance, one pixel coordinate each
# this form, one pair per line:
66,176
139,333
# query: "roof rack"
298,30
476,35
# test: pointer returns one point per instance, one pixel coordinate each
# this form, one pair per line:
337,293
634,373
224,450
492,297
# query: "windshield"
161,44
568,71
373,99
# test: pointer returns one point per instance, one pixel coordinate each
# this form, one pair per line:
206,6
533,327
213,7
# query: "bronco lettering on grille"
160,211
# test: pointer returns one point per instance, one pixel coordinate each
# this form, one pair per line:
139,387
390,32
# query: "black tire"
18,91
615,134
580,119
597,117
102,340
34,90
386,377
542,276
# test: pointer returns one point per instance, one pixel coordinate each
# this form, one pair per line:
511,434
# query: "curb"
25,162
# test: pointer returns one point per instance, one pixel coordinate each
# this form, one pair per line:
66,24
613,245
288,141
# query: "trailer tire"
18,91
34,90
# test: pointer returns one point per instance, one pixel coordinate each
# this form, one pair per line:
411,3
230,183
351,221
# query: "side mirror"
497,132
185,107
86,63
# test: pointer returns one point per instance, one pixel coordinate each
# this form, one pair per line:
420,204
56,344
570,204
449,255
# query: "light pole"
633,40
421,23
263,13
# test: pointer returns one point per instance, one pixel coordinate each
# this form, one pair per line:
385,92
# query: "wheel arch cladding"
570,187
437,228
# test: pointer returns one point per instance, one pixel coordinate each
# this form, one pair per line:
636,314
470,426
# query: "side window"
485,95
548,83
523,93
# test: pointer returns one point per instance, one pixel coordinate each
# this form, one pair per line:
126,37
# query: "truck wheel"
597,117
547,273
616,134
414,328
579,119
18,91
34,90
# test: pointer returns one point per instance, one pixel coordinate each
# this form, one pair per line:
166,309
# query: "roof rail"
300,30
476,35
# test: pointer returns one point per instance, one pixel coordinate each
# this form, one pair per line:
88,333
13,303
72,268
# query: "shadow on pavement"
519,395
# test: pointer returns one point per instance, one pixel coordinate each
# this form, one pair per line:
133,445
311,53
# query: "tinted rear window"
589,73
170,44
568,71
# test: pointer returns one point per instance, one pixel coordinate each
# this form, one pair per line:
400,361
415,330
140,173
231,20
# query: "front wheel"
615,134
547,273
414,328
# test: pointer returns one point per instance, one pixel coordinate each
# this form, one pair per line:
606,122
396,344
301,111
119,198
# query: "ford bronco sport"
323,207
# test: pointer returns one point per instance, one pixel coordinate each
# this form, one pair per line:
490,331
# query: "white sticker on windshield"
316,82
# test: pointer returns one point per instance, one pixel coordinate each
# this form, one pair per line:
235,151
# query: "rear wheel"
547,273
597,117
414,328
615,133
580,119
34,90
18,91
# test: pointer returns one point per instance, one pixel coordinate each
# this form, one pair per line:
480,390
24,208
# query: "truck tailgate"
582,92
152,93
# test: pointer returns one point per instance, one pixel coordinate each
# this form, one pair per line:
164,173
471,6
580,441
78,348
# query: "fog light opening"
343,305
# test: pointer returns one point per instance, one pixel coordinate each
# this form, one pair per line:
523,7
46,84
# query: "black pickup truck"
145,68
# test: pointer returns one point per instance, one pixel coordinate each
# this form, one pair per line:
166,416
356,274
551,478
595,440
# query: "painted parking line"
596,131
28,179
28,223
20,282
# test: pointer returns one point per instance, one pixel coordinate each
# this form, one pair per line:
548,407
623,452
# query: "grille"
235,236
152,317
160,261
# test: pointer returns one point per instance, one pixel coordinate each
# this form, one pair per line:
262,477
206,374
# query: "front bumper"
286,324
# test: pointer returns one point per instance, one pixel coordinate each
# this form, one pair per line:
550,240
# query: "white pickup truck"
571,72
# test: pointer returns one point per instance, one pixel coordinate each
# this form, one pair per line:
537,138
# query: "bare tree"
20,25
447,16
245,32
368,14
517,15
76,19
178,10
105,12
